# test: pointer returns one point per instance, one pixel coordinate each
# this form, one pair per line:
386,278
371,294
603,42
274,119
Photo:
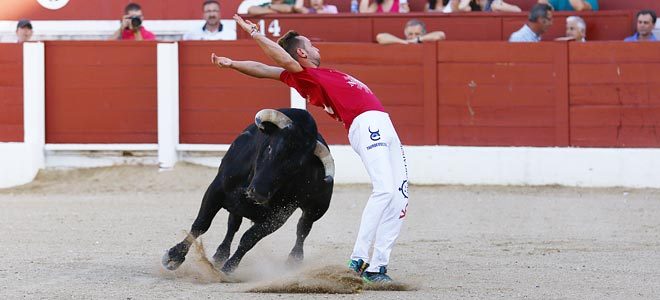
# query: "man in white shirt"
212,29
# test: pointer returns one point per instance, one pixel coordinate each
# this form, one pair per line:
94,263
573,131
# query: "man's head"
211,12
133,11
646,22
414,29
540,18
576,28
24,30
300,48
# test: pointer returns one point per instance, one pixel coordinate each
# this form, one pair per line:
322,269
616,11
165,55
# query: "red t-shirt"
341,95
128,34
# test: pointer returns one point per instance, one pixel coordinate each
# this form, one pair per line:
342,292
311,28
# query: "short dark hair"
538,11
291,42
647,12
207,2
132,7
416,22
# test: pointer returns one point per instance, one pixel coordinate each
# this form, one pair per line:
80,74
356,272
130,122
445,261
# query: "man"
645,24
415,33
212,29
572,5
538,22
131,25
370,133
576,30
278,7
23,31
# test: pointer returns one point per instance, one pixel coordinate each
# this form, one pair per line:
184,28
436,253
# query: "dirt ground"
100,233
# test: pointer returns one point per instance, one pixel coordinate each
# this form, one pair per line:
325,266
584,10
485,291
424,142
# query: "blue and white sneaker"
358,266
377,277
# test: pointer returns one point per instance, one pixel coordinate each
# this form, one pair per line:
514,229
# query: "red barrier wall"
615,94
11,93
101,92
502,94
216,104
478,26
400,76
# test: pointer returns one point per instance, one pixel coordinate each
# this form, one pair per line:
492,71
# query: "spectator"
576,30
317,7
278,7
538,22
645,24
498,6
577,5
414,31
131,25
23,31
461,6
435,5
387,6
212,28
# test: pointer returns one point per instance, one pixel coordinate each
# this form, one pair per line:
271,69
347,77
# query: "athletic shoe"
358,266
377,277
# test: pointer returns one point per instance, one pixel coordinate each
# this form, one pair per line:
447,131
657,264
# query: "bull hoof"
172,263
294,260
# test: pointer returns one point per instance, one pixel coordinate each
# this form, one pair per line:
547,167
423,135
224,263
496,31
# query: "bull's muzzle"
258,198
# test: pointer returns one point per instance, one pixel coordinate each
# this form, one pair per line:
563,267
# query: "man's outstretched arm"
272,49
251,68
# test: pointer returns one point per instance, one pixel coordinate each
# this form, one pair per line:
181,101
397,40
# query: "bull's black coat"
266,174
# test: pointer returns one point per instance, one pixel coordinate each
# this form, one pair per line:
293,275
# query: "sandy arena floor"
100,233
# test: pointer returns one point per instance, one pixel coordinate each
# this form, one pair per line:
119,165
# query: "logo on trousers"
404,189
375,135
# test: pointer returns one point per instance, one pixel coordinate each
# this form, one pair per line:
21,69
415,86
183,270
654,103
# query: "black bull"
275,166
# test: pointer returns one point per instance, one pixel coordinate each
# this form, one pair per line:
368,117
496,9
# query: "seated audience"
386,6
576,30
645,24
435,5
577,5
538,22
131,25
415,33
278,7
23,31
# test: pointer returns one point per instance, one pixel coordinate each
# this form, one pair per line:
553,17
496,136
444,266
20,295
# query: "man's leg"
375,156
393,216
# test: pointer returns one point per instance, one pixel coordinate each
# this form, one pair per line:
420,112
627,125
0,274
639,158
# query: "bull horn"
273,116
323,153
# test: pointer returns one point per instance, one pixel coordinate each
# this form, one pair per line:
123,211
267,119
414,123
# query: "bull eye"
269,149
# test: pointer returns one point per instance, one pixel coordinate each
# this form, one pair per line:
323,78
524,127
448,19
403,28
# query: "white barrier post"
34,101
297,101
168,104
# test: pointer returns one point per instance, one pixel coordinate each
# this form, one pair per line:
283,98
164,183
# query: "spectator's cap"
24,23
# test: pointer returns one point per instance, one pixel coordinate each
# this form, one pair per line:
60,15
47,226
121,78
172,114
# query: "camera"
135,21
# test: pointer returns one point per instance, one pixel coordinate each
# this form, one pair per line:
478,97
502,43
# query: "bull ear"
276,117
323,153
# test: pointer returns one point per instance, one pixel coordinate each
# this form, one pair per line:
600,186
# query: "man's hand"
565,38
222,62
247,25
126,22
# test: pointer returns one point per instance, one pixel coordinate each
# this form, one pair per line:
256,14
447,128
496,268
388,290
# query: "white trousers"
373,137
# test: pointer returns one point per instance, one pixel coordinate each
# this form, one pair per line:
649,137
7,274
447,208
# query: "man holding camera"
131,25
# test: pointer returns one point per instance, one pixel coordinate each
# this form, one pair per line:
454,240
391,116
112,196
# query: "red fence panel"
615,94
396,75
217,104
502,94
101,92
11,93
